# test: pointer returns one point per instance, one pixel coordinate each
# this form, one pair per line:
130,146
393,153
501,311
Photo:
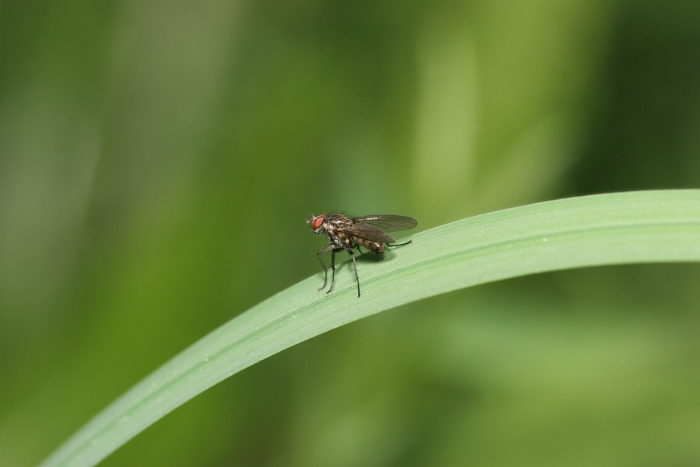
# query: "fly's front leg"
325,269
333,268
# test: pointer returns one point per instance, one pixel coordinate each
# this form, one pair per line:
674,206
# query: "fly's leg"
333,268
354,265
333,249
399,244
325,269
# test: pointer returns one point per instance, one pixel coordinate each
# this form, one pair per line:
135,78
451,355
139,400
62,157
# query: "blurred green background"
158,160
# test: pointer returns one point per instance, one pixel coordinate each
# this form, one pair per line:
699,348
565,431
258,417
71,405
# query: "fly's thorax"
339,238
338,222
335,226
330,230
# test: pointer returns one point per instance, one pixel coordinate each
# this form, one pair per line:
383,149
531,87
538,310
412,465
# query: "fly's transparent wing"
389,223
371,233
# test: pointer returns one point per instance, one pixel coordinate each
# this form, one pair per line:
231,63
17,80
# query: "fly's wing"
371,233
388,223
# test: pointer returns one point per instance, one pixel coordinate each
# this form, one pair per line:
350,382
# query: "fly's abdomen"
375,247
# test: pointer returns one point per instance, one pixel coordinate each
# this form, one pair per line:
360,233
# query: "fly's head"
318,224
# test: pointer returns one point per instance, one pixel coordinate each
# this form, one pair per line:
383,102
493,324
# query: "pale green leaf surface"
637,227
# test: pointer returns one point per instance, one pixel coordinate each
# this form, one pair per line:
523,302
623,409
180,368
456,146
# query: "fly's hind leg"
354,265
399,244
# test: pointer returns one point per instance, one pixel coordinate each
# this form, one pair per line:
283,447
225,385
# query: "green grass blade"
637,227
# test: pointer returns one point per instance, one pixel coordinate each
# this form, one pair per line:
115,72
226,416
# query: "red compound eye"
317,222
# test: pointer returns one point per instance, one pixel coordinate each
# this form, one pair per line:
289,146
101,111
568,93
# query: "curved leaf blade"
652,226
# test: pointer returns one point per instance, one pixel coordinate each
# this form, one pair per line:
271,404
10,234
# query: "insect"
350,233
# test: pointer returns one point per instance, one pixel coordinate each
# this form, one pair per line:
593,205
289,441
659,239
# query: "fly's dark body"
350,233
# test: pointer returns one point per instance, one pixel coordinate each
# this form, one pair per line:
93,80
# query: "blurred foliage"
157,162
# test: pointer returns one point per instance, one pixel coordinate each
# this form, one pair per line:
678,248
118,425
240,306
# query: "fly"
350,233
